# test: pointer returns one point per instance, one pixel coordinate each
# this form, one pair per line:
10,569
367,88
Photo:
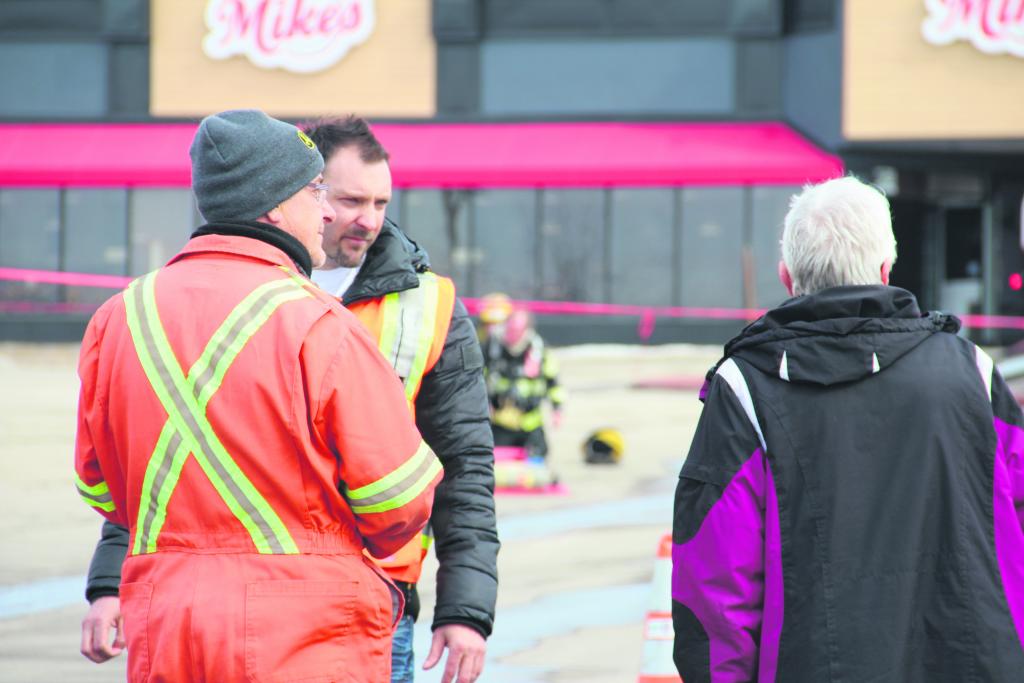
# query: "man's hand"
466,650
556,418
104,614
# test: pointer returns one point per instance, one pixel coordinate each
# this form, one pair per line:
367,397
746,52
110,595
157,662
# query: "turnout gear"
519,380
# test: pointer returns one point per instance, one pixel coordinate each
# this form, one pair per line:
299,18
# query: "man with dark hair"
424,331
244,427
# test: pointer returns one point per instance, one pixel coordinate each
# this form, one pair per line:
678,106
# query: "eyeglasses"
319,191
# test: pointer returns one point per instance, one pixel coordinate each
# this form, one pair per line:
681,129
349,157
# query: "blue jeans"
401,652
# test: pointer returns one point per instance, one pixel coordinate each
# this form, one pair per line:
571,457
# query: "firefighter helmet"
603,446
495,308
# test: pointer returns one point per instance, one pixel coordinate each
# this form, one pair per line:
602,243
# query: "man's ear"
785,278
274,216
886,271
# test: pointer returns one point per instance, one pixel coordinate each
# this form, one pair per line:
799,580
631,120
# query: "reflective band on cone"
657,665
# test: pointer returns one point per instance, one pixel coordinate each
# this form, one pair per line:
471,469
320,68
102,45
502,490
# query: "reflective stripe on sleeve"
97,495
397,488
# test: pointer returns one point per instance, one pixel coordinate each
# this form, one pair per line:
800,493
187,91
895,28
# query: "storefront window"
394,210
95,238
505,235
768,211
711,263
438,220
573,236
641,246
160,222
30,239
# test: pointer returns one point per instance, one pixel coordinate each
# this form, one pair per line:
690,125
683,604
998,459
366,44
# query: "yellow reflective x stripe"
204,379
407,331
97,495
188,417
397,488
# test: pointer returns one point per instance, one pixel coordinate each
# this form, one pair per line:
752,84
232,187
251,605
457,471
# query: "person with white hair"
852,504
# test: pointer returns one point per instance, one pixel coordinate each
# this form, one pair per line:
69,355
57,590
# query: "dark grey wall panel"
812,85
458,79
545,17
686,76
50,16
811,15
51,79
525,18
761,18
126,17
457,20
675,16
129,79
759,78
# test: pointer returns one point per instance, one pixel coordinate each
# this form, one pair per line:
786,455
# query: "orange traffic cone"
657,665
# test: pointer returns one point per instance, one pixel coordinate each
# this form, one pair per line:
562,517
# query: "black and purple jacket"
852,505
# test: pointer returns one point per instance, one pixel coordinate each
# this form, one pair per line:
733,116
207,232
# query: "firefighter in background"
521,375
495,309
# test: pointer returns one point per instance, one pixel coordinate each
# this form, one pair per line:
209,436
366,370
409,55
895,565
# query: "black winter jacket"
851,508
452,415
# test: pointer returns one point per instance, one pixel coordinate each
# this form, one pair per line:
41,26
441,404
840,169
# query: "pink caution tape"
648,315
51,277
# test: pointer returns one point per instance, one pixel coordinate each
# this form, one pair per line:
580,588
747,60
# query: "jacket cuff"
471,624
92,594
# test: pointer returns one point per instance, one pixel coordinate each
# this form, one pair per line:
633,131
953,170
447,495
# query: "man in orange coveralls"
244,427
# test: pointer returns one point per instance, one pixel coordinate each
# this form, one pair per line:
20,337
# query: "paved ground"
575,569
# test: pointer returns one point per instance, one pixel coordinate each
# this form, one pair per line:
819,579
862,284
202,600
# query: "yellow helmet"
495,308
604,446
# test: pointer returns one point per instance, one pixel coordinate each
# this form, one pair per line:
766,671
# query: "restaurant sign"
302,36
992,26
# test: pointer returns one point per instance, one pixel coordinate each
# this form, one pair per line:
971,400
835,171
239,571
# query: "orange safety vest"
411,328
207,425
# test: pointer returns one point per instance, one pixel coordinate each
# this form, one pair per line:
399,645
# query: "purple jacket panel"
1008,510
730,576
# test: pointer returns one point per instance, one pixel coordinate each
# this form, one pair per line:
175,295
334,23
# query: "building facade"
631,152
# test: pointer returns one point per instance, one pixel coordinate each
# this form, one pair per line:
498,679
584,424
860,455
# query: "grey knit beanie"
245,163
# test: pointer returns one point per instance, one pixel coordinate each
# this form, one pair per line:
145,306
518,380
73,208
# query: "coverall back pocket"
298,631
135,601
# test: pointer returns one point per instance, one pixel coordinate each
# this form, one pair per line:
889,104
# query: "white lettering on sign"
992,26
298,35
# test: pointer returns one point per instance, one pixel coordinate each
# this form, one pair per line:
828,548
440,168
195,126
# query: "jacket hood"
391,265
838,335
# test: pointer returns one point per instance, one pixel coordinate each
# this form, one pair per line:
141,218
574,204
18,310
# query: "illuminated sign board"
993,26
293,58
933,69
302,36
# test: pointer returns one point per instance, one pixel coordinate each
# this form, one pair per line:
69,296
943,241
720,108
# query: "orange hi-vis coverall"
246,430
410,328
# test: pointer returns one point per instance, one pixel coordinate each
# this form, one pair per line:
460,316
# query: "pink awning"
466,155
